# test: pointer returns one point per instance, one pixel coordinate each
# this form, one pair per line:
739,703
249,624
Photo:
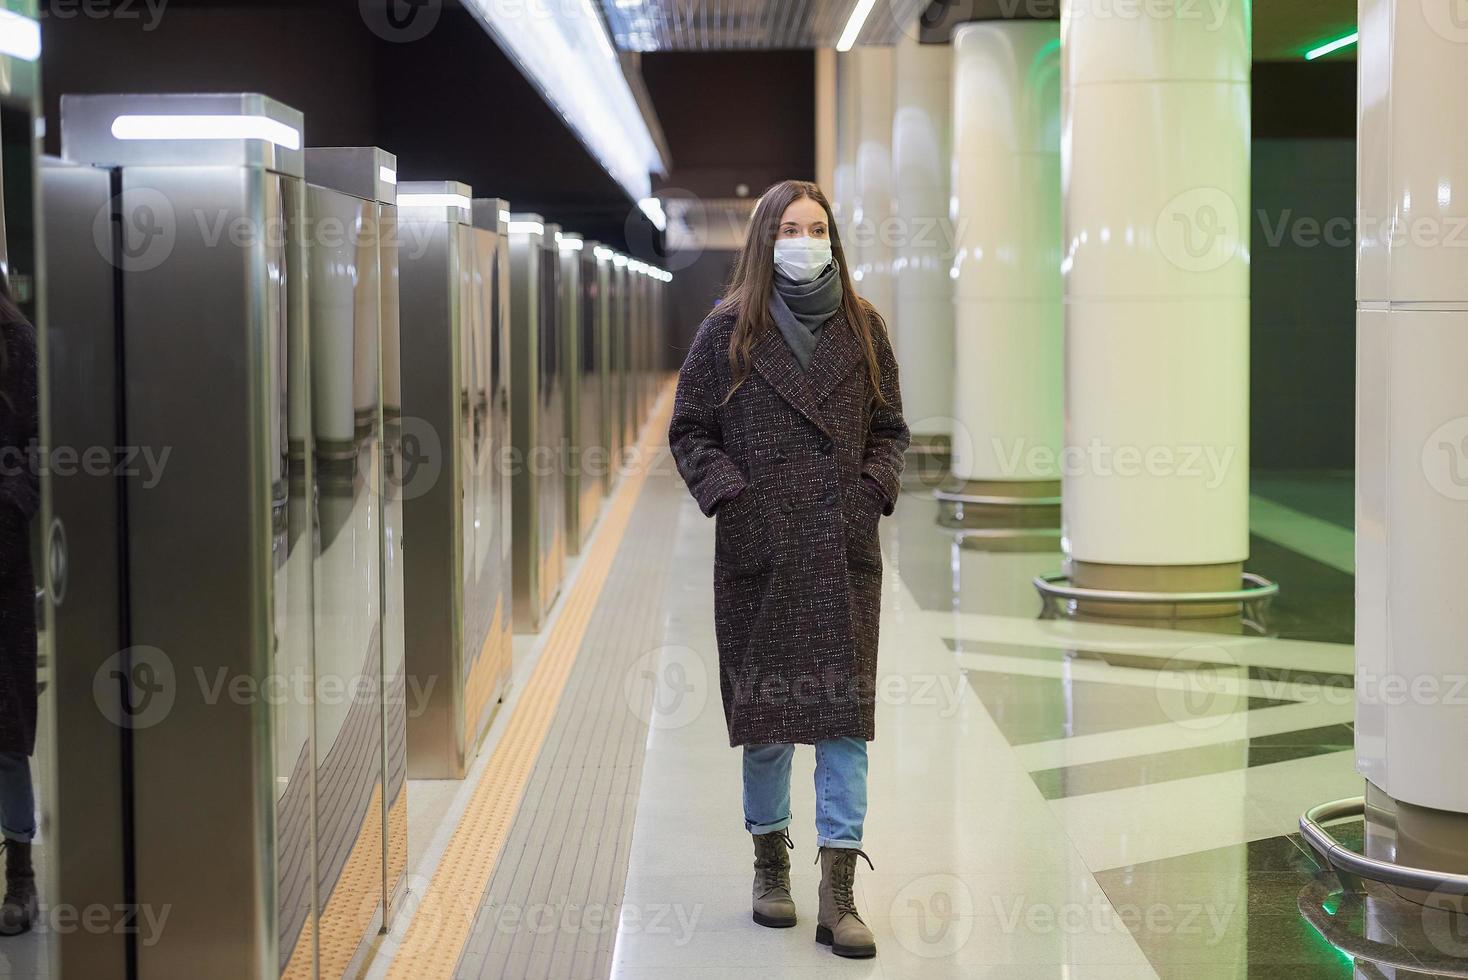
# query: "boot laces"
770,860
843,877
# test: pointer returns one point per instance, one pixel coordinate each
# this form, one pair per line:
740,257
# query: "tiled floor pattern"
565,859
1048,798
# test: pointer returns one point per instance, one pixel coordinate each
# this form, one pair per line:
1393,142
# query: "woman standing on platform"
788,429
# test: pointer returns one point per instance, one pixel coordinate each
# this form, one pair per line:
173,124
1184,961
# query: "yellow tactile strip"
352,906
445,914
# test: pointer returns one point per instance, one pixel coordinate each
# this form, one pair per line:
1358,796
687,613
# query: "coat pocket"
742,535
862,512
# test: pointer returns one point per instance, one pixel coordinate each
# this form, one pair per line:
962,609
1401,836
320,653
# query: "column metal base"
1060,597
994,504
1350,867
1217,577
1008,539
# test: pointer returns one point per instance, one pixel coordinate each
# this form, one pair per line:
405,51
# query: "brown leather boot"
837,923
19,908
773,905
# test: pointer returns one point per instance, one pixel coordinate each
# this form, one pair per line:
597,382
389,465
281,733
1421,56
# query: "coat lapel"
837,352
776,363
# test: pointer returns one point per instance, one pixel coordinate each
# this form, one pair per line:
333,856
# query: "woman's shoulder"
718,325
874,319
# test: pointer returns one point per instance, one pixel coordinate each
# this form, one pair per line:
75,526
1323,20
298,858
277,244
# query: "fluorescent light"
570,244
854,24
387,175
1330,46
434,201
203,127
619,260
527,228
653,208
563,48
505,217
602,253
20,37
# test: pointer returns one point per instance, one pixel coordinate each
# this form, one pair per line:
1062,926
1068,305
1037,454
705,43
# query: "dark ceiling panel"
1285,29
448,103
722,25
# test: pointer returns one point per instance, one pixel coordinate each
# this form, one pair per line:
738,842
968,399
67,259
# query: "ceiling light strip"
1329,46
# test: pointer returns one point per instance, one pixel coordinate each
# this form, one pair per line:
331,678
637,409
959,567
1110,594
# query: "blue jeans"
841,790
17,799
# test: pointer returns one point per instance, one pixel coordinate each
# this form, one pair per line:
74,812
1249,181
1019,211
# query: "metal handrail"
950,497
1362,949
1339,858
1259,588
1004,533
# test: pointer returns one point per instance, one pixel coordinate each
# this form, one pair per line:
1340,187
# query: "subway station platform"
356,622
1048,798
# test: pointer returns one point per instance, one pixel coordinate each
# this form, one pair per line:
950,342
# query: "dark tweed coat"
797,560
19,498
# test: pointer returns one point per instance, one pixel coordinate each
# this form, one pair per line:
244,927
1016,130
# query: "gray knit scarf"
801,309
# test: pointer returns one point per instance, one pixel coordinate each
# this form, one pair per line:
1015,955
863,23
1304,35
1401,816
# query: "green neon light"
1330,46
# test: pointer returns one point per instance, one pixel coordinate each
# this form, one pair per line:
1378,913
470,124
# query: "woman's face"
804,218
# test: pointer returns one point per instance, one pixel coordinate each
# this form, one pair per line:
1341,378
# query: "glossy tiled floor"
1048,798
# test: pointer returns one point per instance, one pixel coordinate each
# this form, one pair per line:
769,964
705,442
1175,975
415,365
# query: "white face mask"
802,259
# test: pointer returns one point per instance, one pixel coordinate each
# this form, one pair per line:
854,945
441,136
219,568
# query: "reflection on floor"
1302,525
1328,495
1048,798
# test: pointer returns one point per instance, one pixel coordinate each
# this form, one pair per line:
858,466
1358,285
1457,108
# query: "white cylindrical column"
1007,293
1155,173
870,227
826,115
842,191
1412,423
922,312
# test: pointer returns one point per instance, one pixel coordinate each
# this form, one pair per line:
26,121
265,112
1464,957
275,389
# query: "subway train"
360,507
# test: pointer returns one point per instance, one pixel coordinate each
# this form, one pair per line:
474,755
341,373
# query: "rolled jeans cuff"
766,828
854,845
19,836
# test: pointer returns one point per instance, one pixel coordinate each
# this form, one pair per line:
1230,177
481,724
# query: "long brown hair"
748,291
